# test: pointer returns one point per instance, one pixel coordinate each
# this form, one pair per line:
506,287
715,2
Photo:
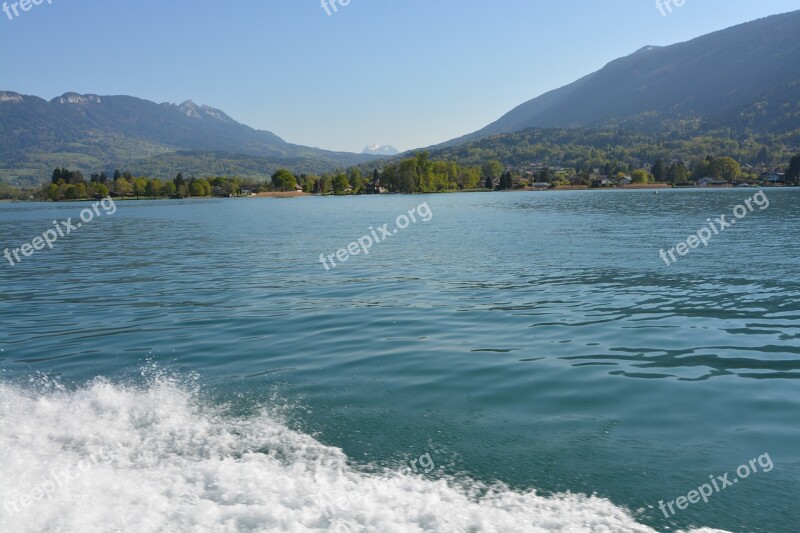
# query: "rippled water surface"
533,339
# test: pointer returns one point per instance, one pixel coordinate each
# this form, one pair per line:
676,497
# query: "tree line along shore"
414,174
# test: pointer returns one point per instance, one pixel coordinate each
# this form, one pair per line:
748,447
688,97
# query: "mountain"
745,78
94,133
381,149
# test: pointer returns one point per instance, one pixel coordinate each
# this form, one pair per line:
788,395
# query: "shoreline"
286,195
280,195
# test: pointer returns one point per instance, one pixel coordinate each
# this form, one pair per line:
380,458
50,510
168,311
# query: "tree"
200,187
169,189
678,173
659,170
506,182
793,172
340,184
325,184
407,176
72,192
101,190
357,180
122,187
468,178
311,184
52,192
153,188
725,168
181,187
640,176
283,180
140,187
492,169
702,169
70,177
230,188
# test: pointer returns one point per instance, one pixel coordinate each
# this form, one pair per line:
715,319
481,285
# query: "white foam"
115,458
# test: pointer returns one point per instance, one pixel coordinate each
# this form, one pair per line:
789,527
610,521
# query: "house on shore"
602,181
712,182
773,178
374,187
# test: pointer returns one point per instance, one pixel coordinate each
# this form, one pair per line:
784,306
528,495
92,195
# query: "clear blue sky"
409,73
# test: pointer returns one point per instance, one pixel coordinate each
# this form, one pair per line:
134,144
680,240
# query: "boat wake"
111,457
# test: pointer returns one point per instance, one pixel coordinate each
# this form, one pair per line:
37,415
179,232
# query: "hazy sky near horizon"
408,73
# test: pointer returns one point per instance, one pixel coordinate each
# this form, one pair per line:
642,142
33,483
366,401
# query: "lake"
516,362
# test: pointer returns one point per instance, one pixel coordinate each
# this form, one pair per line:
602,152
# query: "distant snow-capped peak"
381,149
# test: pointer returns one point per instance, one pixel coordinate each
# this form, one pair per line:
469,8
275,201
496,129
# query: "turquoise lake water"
514,342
